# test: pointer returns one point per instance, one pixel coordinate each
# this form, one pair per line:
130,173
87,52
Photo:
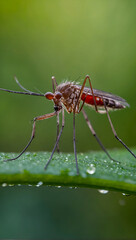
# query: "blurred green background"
67,39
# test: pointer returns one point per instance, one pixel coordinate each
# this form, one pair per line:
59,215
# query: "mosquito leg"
82,103
96,137
54,83
33,133
114,132
81,91
57,131
74,143
57,141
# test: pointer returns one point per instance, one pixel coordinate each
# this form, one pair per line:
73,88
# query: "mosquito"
72,97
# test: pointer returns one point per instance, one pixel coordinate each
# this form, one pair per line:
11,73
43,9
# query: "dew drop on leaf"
39,184
126,194
102,191
4,185
91,169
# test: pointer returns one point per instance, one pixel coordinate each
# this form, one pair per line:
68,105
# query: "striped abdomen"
110,103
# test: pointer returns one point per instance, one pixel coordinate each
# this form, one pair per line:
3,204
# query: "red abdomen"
88,99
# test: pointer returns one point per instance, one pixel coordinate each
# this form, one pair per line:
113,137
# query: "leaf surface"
96,170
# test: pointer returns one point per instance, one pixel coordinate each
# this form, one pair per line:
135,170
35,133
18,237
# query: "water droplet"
4,185
126,194
91,169
103,191
39,184
72,187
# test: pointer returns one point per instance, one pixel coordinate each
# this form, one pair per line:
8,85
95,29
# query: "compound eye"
58,95
49,95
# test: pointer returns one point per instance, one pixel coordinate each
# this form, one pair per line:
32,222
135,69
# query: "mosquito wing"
112,101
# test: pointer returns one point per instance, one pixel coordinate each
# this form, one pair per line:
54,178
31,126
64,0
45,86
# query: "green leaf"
96,170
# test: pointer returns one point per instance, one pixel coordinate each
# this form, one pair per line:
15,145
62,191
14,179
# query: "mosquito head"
56,97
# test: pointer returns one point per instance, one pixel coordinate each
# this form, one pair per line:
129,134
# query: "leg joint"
35,119
87,76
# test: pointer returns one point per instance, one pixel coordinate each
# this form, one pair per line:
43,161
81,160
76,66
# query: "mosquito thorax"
70,93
